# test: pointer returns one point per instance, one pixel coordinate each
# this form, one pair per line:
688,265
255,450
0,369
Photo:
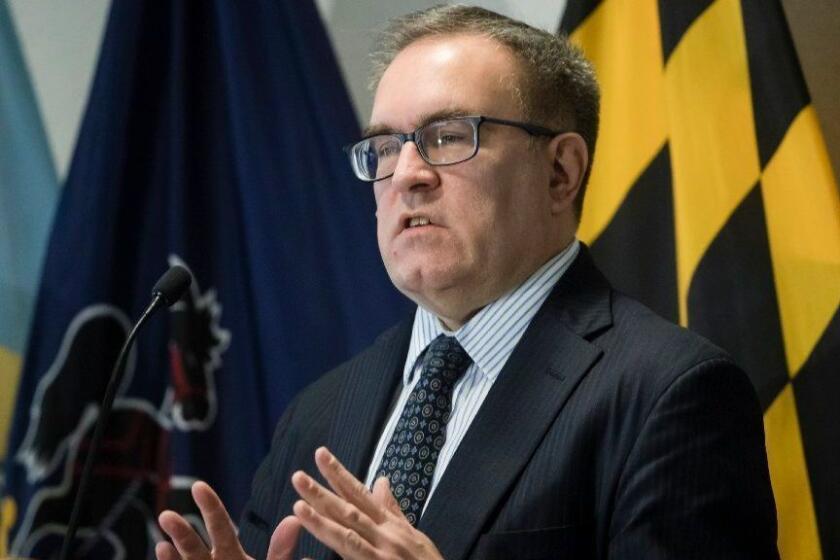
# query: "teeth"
418,222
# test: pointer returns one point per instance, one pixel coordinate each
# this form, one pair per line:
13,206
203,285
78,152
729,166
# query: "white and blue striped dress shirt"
489,338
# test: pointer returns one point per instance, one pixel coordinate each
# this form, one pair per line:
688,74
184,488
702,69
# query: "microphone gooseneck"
166,292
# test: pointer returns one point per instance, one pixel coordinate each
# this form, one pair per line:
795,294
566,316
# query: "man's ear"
570,160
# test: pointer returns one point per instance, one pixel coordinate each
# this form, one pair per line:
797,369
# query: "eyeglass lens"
440,143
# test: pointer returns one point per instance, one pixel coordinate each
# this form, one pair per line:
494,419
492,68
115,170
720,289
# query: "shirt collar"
490,336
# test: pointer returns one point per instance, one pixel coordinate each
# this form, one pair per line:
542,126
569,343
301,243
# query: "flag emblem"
133,473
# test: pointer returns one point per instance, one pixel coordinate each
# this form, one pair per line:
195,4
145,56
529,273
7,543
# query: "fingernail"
325,451
301,508
303,479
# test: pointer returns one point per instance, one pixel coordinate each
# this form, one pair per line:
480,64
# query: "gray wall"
60,40
350,23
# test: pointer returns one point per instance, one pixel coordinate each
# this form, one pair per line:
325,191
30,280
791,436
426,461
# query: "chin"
412,281
425,285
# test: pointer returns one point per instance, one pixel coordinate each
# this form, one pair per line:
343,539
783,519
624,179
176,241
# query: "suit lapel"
366,398
370,382
552,357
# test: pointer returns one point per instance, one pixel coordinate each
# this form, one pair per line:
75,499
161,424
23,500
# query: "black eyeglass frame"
476,120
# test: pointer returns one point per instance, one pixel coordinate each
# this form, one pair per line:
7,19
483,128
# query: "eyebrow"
426,118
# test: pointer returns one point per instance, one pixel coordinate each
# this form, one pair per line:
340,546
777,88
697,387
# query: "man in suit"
527,410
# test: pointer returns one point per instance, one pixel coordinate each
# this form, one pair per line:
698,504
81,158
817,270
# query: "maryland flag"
712,199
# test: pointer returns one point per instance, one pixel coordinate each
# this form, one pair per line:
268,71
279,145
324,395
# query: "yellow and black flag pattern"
713,200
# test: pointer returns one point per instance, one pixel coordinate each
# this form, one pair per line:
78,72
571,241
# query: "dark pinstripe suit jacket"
609,433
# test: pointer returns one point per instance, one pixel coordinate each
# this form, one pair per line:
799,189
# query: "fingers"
186,544
352,521
345,541
346,485
165,551
184,538
383,496
327,504
220,528
283,541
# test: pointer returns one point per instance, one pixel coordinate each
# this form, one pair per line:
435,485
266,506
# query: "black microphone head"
172,284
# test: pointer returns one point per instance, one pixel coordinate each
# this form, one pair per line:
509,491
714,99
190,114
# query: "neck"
455,316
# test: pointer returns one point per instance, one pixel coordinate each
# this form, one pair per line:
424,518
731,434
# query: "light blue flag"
28,195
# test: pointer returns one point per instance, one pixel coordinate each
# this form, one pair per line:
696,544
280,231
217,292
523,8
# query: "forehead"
459,74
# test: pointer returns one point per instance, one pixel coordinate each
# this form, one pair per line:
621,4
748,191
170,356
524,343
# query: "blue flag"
212,140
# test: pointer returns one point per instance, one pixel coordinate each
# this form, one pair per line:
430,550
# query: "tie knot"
445,360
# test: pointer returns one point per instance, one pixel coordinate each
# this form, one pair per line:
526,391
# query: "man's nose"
412,172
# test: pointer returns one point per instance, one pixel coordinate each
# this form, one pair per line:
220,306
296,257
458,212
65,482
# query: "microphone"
172,285
167,291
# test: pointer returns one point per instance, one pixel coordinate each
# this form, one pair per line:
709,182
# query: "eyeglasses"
443,142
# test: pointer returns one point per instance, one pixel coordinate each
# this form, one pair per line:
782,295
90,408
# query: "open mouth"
417,221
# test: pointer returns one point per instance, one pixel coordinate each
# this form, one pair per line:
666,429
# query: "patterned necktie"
410,458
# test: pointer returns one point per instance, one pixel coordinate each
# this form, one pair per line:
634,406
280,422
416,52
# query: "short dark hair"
557,88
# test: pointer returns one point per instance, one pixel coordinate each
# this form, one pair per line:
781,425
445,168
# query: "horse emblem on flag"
134,478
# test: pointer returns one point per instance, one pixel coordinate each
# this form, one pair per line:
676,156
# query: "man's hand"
187,545
356,523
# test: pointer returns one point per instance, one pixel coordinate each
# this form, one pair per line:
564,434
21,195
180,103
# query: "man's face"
490,217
